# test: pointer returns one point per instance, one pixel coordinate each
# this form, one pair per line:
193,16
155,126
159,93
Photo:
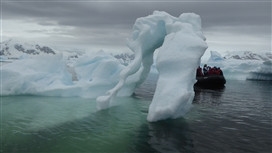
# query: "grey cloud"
103,22
84,14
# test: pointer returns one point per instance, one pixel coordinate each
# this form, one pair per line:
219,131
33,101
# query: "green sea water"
237,118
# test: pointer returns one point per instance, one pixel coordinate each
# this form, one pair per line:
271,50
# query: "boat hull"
214,81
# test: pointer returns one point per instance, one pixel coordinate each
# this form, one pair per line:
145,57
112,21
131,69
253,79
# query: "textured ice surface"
52,75
181,45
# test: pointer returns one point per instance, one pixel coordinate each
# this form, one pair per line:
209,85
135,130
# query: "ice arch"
181,44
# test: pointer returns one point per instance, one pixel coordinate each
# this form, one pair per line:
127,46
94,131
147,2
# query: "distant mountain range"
248,55
240,55
13,48
125,58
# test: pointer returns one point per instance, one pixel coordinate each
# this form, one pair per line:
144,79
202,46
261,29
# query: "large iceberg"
180,45
56,75
242,65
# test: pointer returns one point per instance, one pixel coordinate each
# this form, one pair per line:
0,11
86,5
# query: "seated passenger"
199,72
205,70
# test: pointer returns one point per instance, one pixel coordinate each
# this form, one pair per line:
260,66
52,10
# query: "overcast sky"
228,25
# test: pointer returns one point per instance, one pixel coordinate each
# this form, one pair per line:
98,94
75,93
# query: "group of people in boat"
207,71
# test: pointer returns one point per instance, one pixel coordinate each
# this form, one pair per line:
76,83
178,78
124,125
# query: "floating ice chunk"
182,43
34,75
148,34
176,62
242,65
264,72
49,75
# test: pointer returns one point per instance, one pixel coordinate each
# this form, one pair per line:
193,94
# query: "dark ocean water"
236,119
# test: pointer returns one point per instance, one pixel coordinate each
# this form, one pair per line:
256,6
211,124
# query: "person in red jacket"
199,72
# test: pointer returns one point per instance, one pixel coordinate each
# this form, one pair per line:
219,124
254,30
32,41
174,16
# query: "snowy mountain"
15,49
240,55
248,55
244,64
125,58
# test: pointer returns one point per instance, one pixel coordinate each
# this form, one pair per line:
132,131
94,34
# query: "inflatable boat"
211,81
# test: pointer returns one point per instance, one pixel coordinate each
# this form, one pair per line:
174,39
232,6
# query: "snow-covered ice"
243,65
177,61
181,45
54,75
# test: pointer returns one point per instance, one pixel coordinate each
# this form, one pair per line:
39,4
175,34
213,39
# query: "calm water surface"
236,119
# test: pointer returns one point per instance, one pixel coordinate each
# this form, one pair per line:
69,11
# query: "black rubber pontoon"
212,81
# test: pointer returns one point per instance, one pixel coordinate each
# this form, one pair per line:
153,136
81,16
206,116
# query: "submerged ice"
180,45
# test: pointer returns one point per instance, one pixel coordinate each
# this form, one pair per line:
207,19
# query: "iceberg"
243,65
55,75
263,72
180,45
33,75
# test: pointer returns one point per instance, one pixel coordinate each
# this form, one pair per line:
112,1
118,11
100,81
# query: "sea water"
237,118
